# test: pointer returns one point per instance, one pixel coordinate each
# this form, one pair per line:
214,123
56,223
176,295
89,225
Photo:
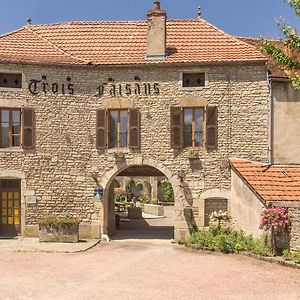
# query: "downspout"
271,120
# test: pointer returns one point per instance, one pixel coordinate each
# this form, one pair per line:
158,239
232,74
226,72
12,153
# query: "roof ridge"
87,22
12,32
106,21
64,52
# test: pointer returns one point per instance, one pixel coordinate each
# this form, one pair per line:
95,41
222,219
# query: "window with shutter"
134,128
212,127
28,128
10,122
193,127
118,128
176,127
101,129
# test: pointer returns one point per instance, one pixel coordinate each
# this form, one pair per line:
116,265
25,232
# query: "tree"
287,52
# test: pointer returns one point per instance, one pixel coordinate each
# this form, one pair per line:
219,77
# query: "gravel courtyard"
123,270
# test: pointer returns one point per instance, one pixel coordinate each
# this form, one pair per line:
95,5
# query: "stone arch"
15,174
216,193
181,224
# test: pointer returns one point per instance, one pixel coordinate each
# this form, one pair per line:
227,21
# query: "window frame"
10,134
23,82
118,128
193,88
194,108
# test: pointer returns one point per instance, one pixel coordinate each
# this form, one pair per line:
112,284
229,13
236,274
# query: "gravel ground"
129,270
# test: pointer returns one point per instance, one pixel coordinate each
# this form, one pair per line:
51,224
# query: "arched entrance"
142,167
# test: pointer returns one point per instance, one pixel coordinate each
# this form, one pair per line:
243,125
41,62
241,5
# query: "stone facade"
59,170
295,231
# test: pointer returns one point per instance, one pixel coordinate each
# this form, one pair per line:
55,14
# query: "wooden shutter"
28,128
134,128
101,129
212,127
176,128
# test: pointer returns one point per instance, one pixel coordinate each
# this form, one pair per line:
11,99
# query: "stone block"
157,210
31,230
135,213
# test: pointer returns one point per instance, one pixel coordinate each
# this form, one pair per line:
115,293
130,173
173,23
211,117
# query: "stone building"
84,102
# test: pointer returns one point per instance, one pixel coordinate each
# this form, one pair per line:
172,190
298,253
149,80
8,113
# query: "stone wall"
295,231
59,170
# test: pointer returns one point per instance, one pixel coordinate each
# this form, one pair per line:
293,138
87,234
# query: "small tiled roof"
122,43
276,70
270,182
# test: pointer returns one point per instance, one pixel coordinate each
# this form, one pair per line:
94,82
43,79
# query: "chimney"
157,32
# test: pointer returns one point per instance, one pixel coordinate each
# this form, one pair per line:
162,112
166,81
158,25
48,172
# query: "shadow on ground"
148,228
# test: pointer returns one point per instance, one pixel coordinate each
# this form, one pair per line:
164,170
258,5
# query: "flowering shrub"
219,216
277,218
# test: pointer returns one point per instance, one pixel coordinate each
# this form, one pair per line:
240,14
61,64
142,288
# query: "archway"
142,167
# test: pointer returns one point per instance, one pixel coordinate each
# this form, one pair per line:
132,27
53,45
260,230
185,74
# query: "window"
10,127
193,79
11,80
212,205
193,127
118,128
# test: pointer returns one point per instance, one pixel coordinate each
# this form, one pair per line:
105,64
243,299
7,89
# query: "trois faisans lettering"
36,87
140,89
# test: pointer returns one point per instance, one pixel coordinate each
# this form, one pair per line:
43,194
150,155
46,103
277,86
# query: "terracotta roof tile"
119,43
272,183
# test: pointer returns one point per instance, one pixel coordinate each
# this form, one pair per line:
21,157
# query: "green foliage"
227,241
295,4
154,201
130,186
293,256
55,221
168,190
287,55
144,199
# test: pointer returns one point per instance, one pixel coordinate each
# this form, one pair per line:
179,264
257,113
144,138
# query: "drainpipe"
271,120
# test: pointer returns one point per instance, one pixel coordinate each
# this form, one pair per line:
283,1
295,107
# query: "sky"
253,18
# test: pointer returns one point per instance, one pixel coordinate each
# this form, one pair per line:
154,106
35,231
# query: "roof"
276,70
271,183
122,43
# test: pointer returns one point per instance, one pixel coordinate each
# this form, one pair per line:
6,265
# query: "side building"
176,98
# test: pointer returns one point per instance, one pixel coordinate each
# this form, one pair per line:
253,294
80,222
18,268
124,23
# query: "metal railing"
118,140
193,139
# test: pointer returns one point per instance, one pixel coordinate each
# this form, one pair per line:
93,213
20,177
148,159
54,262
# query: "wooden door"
10,204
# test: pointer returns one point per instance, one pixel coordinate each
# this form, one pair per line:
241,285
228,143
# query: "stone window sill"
11,149
118,150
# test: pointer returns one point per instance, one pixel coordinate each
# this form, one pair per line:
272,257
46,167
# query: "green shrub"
154,201
227,241
167,190
54,220
293,256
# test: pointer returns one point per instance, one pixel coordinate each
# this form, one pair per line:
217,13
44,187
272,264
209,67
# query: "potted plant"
119,155
220,217
59,229
193,154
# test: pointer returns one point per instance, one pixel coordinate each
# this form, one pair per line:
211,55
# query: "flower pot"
280,241
59,233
